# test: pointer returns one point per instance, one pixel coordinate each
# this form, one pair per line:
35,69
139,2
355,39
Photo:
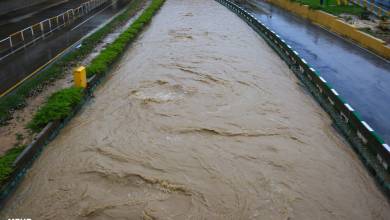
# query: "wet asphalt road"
11,25
360,77
19,65
199,120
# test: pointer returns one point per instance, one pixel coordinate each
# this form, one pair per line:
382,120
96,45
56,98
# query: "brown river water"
199,120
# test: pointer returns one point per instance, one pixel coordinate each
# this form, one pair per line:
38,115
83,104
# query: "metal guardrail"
372,7
373,151
35,32
383,3
25,160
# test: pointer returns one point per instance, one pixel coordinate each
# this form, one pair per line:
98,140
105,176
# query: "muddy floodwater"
199,120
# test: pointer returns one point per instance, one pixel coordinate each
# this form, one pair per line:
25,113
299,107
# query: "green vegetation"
17,99
19,136
331,7
102,63
381,34
58,106
7,160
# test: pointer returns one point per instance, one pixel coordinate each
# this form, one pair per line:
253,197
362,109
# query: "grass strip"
102,63
7,160
60,104
17,99
331,7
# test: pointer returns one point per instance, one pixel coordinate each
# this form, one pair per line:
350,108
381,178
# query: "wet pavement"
10,24
22,63
363,79
199,120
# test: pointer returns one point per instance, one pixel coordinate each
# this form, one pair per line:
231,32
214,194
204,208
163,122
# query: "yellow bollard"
80,77
342,2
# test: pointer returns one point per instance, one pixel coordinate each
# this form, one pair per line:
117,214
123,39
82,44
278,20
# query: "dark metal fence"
374,6
35,32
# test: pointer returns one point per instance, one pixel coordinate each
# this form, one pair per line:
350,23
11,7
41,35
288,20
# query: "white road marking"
90,17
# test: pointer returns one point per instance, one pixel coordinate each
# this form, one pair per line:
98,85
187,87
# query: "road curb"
335,25
25,160
373,152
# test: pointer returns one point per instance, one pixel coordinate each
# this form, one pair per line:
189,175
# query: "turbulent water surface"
200,120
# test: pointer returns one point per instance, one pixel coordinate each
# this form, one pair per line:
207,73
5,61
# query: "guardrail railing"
35,32
373,151
372,7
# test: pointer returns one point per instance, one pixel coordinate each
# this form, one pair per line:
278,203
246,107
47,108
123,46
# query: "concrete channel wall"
336,25
373,151
7,6
25,160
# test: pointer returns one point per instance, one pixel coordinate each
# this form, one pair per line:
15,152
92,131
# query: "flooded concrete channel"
24,62
359,76
199,120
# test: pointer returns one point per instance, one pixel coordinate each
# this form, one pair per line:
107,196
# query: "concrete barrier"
371,149
336,25
24,161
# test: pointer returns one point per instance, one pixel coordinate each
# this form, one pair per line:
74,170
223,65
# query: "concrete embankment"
199,120
336,25
359,76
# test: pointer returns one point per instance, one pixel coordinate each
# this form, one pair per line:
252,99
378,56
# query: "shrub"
58,106
102,63
7,160
61,104
17,99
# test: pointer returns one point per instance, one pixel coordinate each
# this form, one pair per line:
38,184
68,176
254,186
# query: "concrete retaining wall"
372,150
336,25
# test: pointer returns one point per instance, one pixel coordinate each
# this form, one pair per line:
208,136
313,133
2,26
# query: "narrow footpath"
199,120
